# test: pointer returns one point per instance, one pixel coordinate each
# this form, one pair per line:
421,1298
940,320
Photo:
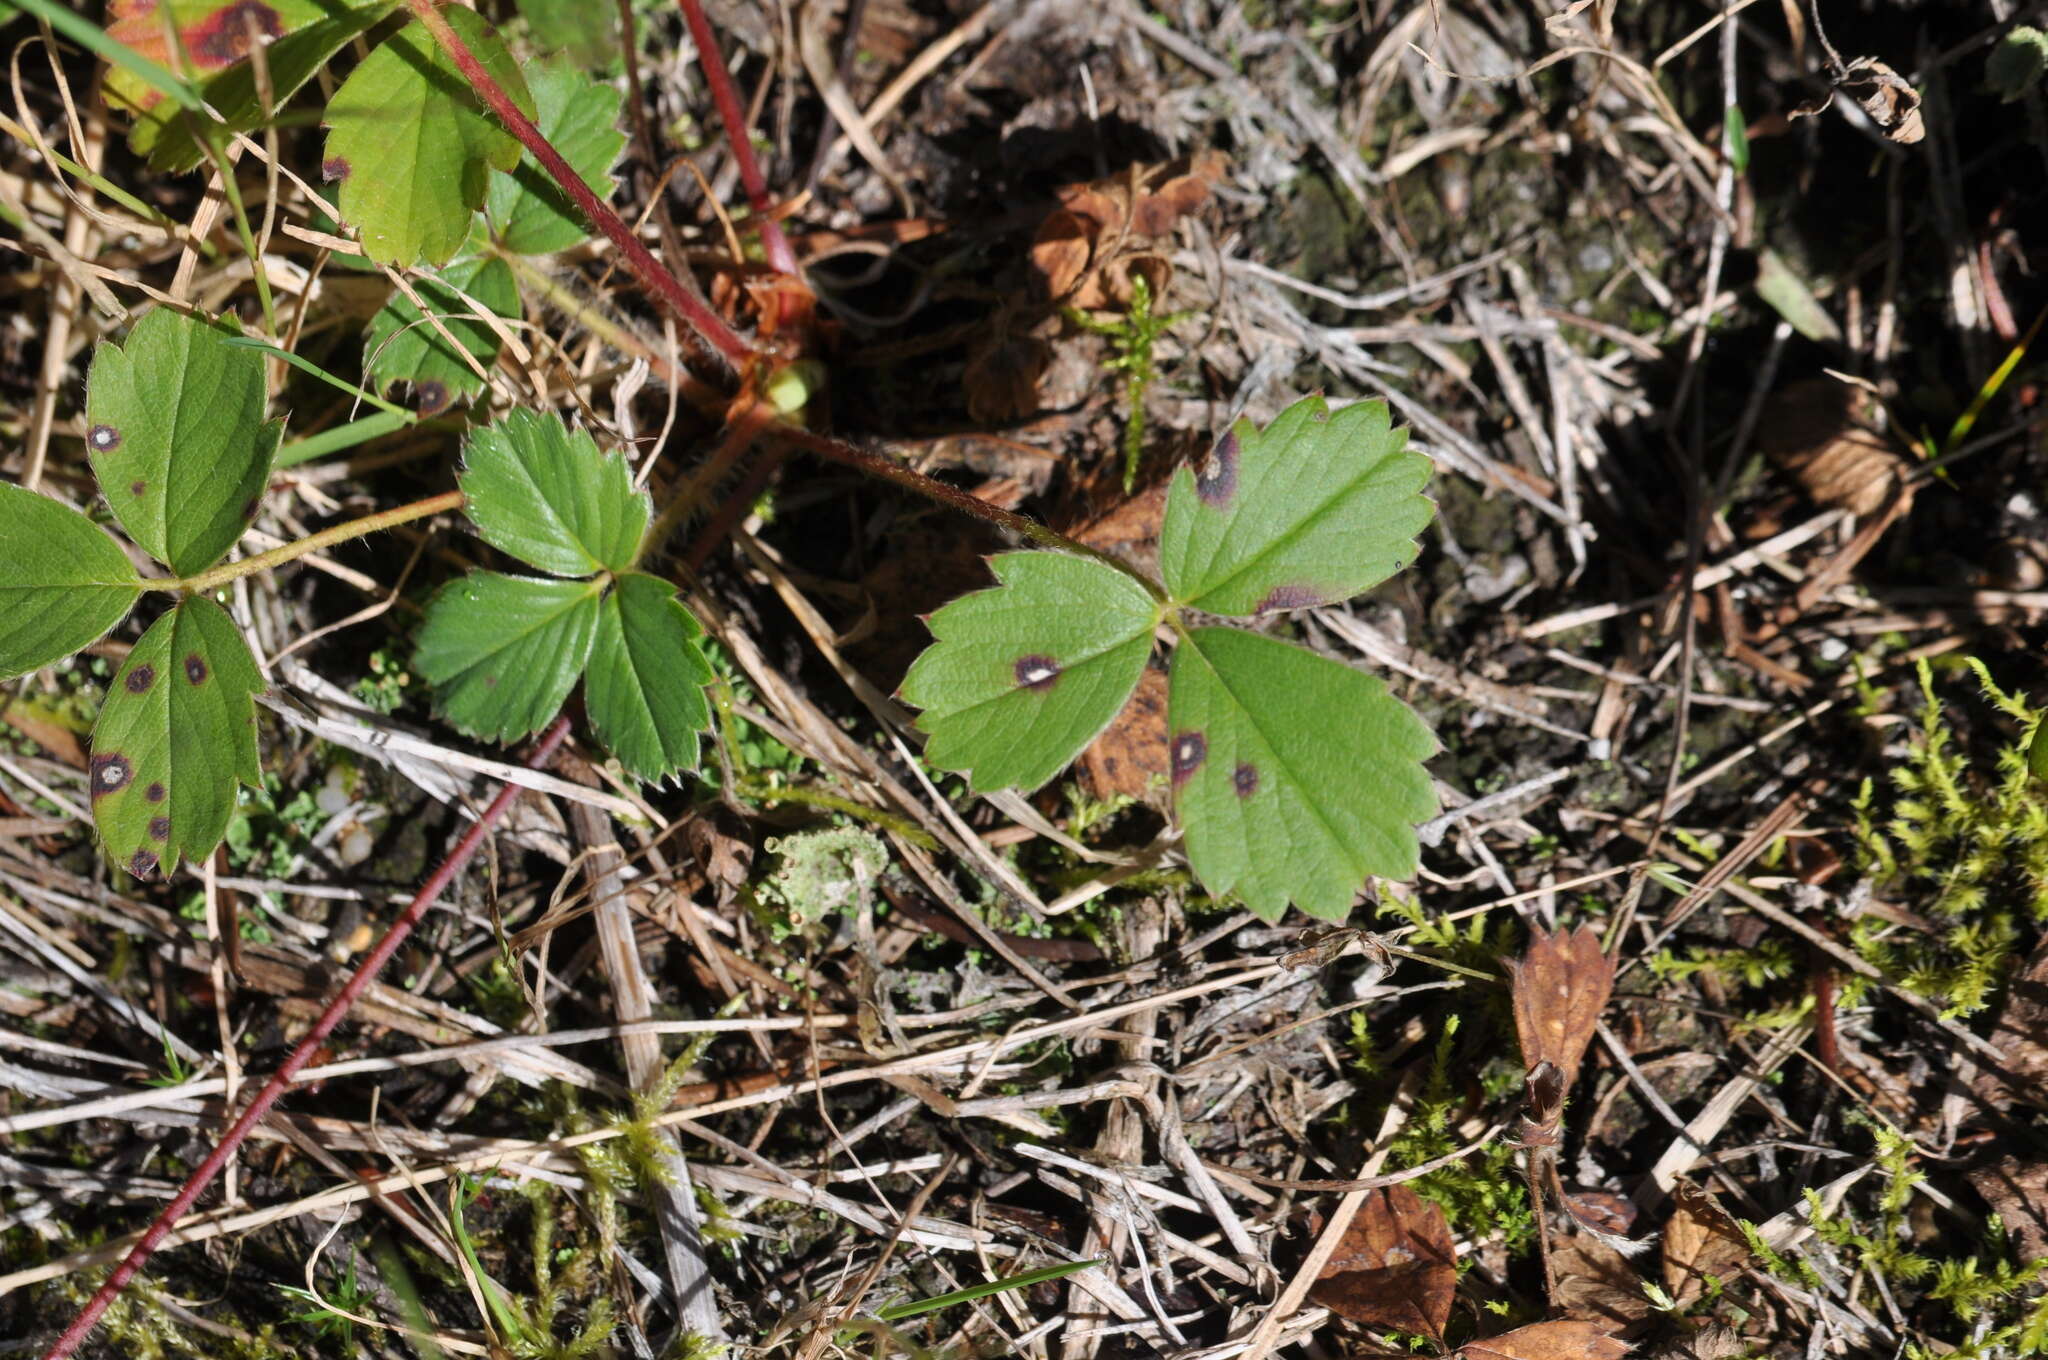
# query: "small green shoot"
896,1312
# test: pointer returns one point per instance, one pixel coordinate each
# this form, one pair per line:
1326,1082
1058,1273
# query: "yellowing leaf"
413,147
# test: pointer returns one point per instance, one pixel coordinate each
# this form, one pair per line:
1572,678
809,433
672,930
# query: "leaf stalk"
213,578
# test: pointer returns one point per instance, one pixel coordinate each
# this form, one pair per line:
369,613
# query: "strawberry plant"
1295,778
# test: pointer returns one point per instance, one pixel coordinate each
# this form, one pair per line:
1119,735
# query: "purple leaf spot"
223,39
1245,779
1036,672
334,168
1289,597
140,679
1216,480
142,864
432,396
137,487
1190,749
103,437
159,828
249,510
195,668
154,793
110,773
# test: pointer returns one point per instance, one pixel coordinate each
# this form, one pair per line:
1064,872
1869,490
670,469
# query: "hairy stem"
351,991
684,302
773,243
216,577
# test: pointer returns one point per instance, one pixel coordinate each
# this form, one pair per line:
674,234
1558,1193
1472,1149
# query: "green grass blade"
896,1312
308,366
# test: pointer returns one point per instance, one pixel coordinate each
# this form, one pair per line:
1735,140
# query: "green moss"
1966,848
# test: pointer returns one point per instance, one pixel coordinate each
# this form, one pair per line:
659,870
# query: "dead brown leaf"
1892,103
2017,1192
1395,1266
1701,1239
1086,252
1130,757
1562,1339
1001,377
1816,430
1596,1281
1560,985
2021,1035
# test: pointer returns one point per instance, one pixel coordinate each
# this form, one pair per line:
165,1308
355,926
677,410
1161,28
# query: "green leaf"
213,34
176,733
403,347
412,145
579,117
177,436
645,689
1295,776
543,493
1021,677
2016,65
504,651
586,31
1309,511
1737,137
63,581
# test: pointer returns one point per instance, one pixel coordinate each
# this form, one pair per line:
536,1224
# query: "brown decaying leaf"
1130,757
1596,1281
2017,1192
1001,378
1563,1339
1890,100
1700,1240
1814,430
1560,985
1087,251
1395,1267
2021,1035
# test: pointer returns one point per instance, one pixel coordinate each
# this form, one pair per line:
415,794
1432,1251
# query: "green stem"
831,802
219,576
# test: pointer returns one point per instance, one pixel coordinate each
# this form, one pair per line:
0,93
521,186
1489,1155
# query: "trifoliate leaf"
63,582
1309,511
176,733
175,431
413,147
1295,776
1020,678
503,652
579,117
645,687
403,347
298,37
543,493
588,33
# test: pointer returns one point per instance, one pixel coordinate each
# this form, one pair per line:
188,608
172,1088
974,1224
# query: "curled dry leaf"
1562,1339
1890,100
1709,1343
1815,430
1395,1267
1560,985
1088,250
1701,1240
